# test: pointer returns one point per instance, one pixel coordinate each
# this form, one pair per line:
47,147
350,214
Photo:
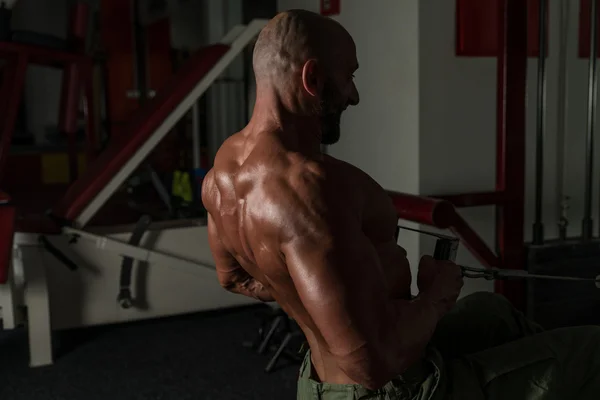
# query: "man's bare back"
290,224
254,192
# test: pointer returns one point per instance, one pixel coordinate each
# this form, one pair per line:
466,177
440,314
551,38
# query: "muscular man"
290,224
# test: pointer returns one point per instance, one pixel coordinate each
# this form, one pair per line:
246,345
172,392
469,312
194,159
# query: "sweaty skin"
317,235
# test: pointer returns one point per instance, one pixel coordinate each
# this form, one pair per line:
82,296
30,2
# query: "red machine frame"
509,196
77,77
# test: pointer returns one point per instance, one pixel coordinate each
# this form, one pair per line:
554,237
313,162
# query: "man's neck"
301,133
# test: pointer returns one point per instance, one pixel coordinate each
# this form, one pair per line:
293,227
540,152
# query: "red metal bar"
40,55
510,151
471,240
7,232
72,85
441,214
477,28
92,143
69,107
423,210
474,199
10,100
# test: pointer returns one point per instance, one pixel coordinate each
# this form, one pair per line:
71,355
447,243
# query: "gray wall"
42,85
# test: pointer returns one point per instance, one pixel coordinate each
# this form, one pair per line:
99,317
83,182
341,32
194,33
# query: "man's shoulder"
349,169
297,182
300,197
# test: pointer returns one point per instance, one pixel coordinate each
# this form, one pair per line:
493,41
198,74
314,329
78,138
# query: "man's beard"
330,116
330,128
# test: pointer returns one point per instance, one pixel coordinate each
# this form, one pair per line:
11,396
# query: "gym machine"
554,303
62,272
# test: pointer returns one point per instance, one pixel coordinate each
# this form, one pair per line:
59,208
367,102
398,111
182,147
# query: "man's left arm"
396,268
230,273
383,225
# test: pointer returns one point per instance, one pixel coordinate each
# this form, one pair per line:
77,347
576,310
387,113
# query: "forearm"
411,327
252,288
259,294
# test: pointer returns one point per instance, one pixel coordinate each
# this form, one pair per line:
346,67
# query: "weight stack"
556,303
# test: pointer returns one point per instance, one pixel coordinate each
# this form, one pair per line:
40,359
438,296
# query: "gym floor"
200,356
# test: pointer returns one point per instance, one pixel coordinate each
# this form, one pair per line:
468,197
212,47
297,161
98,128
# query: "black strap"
125,298
50,248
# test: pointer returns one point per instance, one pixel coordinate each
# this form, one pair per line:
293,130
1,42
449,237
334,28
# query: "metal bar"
72,86
538,225
170,261
89,114
510,151
37,299
160,188
587,225
474,243
248,79
196,135
40,55
441,214
11,91
140,53
422,232
8,217
473,199
561,119
9,303
497,273
423,210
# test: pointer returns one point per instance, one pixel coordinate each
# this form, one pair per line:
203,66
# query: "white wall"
381,134
226,108
458,124
438,137
195,24
457,116
42,85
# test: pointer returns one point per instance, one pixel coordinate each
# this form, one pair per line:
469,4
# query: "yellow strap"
176,188
186,187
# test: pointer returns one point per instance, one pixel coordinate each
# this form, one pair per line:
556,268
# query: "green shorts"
486,349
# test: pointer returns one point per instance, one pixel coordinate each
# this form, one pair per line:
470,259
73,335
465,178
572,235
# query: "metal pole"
196,142
538,225
141,67
510,135
561,120
587,225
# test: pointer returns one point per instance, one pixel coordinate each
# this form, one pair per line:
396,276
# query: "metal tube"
140,53
538,225
196,135
510,135
587,225
561,120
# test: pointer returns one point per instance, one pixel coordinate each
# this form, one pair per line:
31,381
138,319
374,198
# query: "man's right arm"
340,282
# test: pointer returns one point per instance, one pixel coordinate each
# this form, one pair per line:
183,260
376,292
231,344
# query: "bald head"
307,61
293,37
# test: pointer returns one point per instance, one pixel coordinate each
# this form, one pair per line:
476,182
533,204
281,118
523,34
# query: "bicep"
226,265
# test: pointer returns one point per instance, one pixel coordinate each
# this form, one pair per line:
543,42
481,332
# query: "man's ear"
311,77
